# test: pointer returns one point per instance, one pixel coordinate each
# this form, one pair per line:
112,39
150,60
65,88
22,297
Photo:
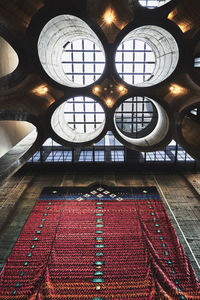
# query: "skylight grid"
197,62
86,156
117,156
134,115
99,155
82,61
135,61
109,149
156,156
183,156
152,3
59,156
35,157
83,114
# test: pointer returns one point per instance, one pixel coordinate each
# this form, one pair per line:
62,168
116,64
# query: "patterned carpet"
98,243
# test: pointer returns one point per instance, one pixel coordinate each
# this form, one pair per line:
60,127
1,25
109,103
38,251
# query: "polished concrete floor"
180,194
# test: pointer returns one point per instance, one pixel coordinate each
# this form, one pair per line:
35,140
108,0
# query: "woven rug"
98,243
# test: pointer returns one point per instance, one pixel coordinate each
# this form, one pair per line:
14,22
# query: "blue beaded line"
166,252
99,225
26,263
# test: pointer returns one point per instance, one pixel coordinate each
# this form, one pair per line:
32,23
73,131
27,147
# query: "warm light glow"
121,88
184,26
96,89
109,102
177,89
171,15
41,90
109,16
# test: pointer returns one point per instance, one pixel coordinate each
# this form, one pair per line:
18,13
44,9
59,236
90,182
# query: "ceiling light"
109,102
41,90
121,88
96,89
109,16
177,89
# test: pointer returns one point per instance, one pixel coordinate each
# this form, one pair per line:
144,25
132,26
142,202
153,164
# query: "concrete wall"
11,132
8,58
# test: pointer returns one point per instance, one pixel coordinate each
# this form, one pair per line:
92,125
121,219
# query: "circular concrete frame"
67,133
148,127
156,136
165,49
55,34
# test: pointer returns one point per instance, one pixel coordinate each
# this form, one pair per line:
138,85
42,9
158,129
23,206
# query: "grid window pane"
117,155
83,114
134,115
156,156
59,156
35,157
135,61
86,156
83,62
153,3
197,62
99,155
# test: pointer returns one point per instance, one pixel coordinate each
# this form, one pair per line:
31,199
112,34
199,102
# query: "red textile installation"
102,244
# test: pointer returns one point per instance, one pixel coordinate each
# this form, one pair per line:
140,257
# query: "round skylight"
153,3
146,56
78,120
135,61
83,61
144,123
136,117
70,52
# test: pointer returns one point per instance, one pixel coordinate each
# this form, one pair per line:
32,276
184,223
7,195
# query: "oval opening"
9,58
146,56
78,120
136,117
70,52
141,122
153,3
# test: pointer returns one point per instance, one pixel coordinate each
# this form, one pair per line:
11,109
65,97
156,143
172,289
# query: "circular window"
78,120
135,61
141,122
136,117
83,62
153,3
146,56
70,52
